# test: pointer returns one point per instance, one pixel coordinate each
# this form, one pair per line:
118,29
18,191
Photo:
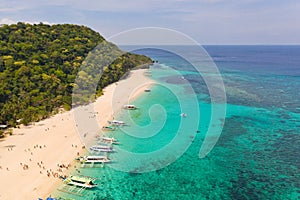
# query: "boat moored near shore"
116,123
108,128
93,159
80,181
108,140
101,148
130,107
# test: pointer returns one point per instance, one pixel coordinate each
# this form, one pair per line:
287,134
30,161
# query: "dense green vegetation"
39,64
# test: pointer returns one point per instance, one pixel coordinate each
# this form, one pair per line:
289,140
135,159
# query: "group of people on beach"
55,173
38,146
6,168
25,166
10,149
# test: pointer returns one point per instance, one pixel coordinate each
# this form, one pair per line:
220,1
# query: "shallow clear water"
257,155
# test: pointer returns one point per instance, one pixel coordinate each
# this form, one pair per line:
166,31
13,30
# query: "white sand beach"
30,158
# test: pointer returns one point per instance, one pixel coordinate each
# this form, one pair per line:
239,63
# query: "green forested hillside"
39,64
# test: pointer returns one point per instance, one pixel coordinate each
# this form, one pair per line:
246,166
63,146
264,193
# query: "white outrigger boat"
80,181
101,148
77,184
93,159
116,123
130,107
108,140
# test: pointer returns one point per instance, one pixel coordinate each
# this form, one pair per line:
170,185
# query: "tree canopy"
39,64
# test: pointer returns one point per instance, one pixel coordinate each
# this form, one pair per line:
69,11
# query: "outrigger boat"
108,128
93,159
80,181
116,123
130,107
77,184
101,148
108,140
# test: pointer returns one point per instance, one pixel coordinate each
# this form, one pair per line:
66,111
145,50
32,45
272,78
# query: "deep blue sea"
257,155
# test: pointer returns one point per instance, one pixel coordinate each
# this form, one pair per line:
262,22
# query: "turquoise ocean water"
257,154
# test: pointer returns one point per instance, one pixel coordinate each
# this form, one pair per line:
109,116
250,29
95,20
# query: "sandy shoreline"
55,141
